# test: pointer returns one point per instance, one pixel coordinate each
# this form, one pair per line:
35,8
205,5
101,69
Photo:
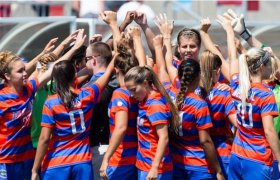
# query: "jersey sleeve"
32,86
47,116
119,102
158,113
95,92
234,81
269,106
203,119
229,105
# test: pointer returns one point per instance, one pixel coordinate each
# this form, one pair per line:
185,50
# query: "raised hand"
134,31
49,47
141,19
157,41
70,38
165,26
238,24
205,25
80,38
130,16
225,22
95,38
109,17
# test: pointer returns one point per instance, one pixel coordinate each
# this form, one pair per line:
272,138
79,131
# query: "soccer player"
63,148
156,112
255,139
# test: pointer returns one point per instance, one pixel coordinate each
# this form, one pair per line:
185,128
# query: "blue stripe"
250,147
13,123
140,157
9,96
129,152
94,87
80,137
15,150
70,151
144,129
188,117
63,116
218,123
130,138
184,142
159,116
19,134
68,130
190,167
216,108
188,153
132,123
144,144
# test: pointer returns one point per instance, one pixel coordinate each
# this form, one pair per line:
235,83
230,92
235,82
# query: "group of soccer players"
175,116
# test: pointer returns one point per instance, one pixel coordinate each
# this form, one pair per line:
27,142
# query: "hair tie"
265,57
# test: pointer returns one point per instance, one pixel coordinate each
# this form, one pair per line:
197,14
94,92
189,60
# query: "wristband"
38,66
246,34
263,45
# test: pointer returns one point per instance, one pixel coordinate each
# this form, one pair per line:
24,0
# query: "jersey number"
74,127
180,130
248,123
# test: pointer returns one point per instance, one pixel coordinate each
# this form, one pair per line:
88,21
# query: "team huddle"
176,115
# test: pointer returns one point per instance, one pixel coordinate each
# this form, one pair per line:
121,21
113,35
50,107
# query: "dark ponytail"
63,75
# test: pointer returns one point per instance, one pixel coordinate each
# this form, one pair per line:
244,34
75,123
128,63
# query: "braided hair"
125,59
188,72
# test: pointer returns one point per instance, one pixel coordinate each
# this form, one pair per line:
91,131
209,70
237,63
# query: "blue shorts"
224,167
182,174
16,171
76,171
276,173
163,176
241,168
122,172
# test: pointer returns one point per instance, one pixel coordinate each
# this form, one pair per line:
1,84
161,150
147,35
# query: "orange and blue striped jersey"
176,62
250,141
69,143
186,150
221,106
152,112
15,123
125,154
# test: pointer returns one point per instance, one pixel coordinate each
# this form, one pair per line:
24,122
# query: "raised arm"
135,34
57,51
233,61
30,66
166,28
141,20
130,15
80,39
110,18
160,62
208,44
240,28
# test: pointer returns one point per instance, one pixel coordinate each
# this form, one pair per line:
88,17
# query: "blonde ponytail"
244,82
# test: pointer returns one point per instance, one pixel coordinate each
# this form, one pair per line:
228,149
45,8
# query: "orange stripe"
70,159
